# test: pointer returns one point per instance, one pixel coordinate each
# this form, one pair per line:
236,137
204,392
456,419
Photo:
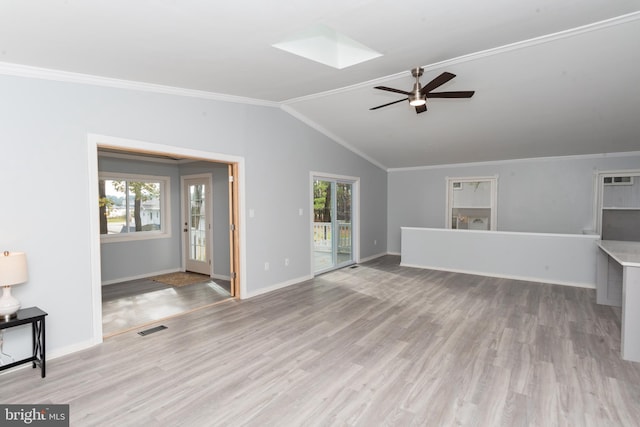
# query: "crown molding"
510,161
548,38
28,71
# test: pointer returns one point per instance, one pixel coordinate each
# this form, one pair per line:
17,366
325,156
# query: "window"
471,203
133,206
617,207
618,180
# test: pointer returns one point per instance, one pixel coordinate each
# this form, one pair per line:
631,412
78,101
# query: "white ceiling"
552,77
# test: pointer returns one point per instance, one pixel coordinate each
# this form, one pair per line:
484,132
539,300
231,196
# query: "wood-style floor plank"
374,345
134,303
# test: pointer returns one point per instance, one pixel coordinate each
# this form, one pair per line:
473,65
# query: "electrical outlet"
286,262
375,243
300,211
266,266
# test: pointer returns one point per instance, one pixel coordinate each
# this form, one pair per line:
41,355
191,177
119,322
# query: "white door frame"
209,211
355,212
93,142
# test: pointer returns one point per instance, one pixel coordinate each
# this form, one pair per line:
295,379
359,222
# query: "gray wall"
44,183
545,196
125,260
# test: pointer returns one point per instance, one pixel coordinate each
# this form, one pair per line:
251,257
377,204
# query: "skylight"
326,46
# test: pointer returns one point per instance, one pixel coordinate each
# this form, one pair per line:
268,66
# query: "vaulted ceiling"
552,77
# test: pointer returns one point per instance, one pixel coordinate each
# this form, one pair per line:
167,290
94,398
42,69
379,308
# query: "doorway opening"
137,294
334,226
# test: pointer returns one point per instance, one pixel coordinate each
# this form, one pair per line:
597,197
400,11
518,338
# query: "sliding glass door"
333,223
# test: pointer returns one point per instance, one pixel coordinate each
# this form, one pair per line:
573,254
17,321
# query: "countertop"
625,253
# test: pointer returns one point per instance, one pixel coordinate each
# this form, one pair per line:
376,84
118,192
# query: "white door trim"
93,142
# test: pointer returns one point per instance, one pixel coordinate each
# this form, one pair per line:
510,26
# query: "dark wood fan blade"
390,89
438,81
454,94
390,103
421,108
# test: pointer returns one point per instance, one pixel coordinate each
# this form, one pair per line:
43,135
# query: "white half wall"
564,259
546,195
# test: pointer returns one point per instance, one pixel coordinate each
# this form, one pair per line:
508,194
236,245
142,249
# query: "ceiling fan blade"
421,108
455,94
390,103
390,89
438,81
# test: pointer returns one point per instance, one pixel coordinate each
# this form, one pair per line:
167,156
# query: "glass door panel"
332,224
322,225
344,230
197,226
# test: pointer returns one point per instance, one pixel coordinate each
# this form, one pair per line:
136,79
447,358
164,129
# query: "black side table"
35,316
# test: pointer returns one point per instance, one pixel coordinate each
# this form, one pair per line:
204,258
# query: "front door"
197,224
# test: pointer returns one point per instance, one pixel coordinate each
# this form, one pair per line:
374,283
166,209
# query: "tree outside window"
130,205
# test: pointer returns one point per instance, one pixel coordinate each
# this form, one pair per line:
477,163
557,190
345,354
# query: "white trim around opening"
93,142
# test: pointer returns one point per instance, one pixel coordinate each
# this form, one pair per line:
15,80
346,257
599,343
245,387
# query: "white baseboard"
220,277
141,276
59,353
275,287
394,253
504,276
372,257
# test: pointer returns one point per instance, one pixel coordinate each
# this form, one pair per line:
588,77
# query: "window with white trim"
133,207
618,205
471,203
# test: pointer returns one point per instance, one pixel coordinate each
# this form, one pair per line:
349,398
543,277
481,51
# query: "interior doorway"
205,249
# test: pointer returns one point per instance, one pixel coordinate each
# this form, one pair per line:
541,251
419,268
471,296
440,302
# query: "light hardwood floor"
374,345
139,302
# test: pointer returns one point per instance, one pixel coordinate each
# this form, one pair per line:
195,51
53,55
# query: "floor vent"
152,330
354,266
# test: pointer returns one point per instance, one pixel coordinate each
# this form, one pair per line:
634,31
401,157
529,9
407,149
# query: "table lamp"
13,270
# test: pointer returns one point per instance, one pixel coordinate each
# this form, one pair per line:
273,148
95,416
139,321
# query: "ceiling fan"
418,95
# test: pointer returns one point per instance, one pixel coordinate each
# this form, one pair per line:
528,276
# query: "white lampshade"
13,270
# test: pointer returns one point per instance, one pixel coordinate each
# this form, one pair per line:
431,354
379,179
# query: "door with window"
196,222
333,223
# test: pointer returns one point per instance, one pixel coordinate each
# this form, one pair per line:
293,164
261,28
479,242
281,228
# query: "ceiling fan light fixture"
416,98
416,102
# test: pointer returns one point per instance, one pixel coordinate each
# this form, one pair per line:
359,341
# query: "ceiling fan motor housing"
417,98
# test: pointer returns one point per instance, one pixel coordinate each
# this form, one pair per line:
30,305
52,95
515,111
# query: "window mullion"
127,204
